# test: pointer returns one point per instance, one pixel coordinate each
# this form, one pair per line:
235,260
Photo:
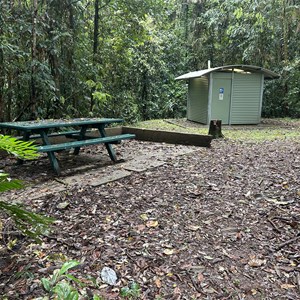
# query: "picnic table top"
55,123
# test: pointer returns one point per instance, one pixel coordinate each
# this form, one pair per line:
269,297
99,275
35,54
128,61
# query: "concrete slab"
140,165
115,175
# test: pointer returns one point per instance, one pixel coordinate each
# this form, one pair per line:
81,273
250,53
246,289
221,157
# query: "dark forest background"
119,58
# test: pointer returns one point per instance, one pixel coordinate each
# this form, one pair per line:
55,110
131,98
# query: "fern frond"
18,148
7,184
28,222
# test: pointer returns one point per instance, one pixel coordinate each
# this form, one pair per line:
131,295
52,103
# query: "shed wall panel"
197,108
246,99
221,75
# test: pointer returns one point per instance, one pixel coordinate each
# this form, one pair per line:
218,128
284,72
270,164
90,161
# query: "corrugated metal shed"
230,93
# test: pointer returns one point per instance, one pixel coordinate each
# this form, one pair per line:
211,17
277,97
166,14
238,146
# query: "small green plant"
59,284
236,282
131,292
25,273
96,297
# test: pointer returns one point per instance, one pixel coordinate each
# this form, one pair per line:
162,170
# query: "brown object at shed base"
215,129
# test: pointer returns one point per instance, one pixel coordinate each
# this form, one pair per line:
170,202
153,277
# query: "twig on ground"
298,281
280,246
198,289
60,181
273,225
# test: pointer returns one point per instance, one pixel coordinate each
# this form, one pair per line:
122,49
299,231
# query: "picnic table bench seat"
87,142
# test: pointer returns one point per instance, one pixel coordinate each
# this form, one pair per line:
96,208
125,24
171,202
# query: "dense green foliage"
61,58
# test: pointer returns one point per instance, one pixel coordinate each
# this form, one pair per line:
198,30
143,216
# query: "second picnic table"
47,128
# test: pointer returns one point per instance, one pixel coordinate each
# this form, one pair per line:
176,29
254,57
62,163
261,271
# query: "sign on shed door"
220,106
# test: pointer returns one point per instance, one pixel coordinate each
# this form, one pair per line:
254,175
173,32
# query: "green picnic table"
47,128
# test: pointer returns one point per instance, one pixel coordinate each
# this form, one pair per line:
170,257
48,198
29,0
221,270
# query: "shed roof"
238,68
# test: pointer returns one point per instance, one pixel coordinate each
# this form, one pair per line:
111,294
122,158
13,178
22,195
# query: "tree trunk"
8,104
96,29
70,53
2,77
95,45
215,129
2,71
285,33
33,95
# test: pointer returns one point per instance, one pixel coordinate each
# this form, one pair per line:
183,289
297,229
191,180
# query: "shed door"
221,94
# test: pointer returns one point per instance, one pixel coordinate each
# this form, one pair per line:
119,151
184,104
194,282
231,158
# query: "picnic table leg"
51,155
108,146
54,162
81,137
25,139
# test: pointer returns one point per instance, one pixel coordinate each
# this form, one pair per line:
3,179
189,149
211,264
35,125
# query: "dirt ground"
200,223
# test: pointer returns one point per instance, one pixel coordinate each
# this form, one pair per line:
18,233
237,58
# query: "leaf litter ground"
218,223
